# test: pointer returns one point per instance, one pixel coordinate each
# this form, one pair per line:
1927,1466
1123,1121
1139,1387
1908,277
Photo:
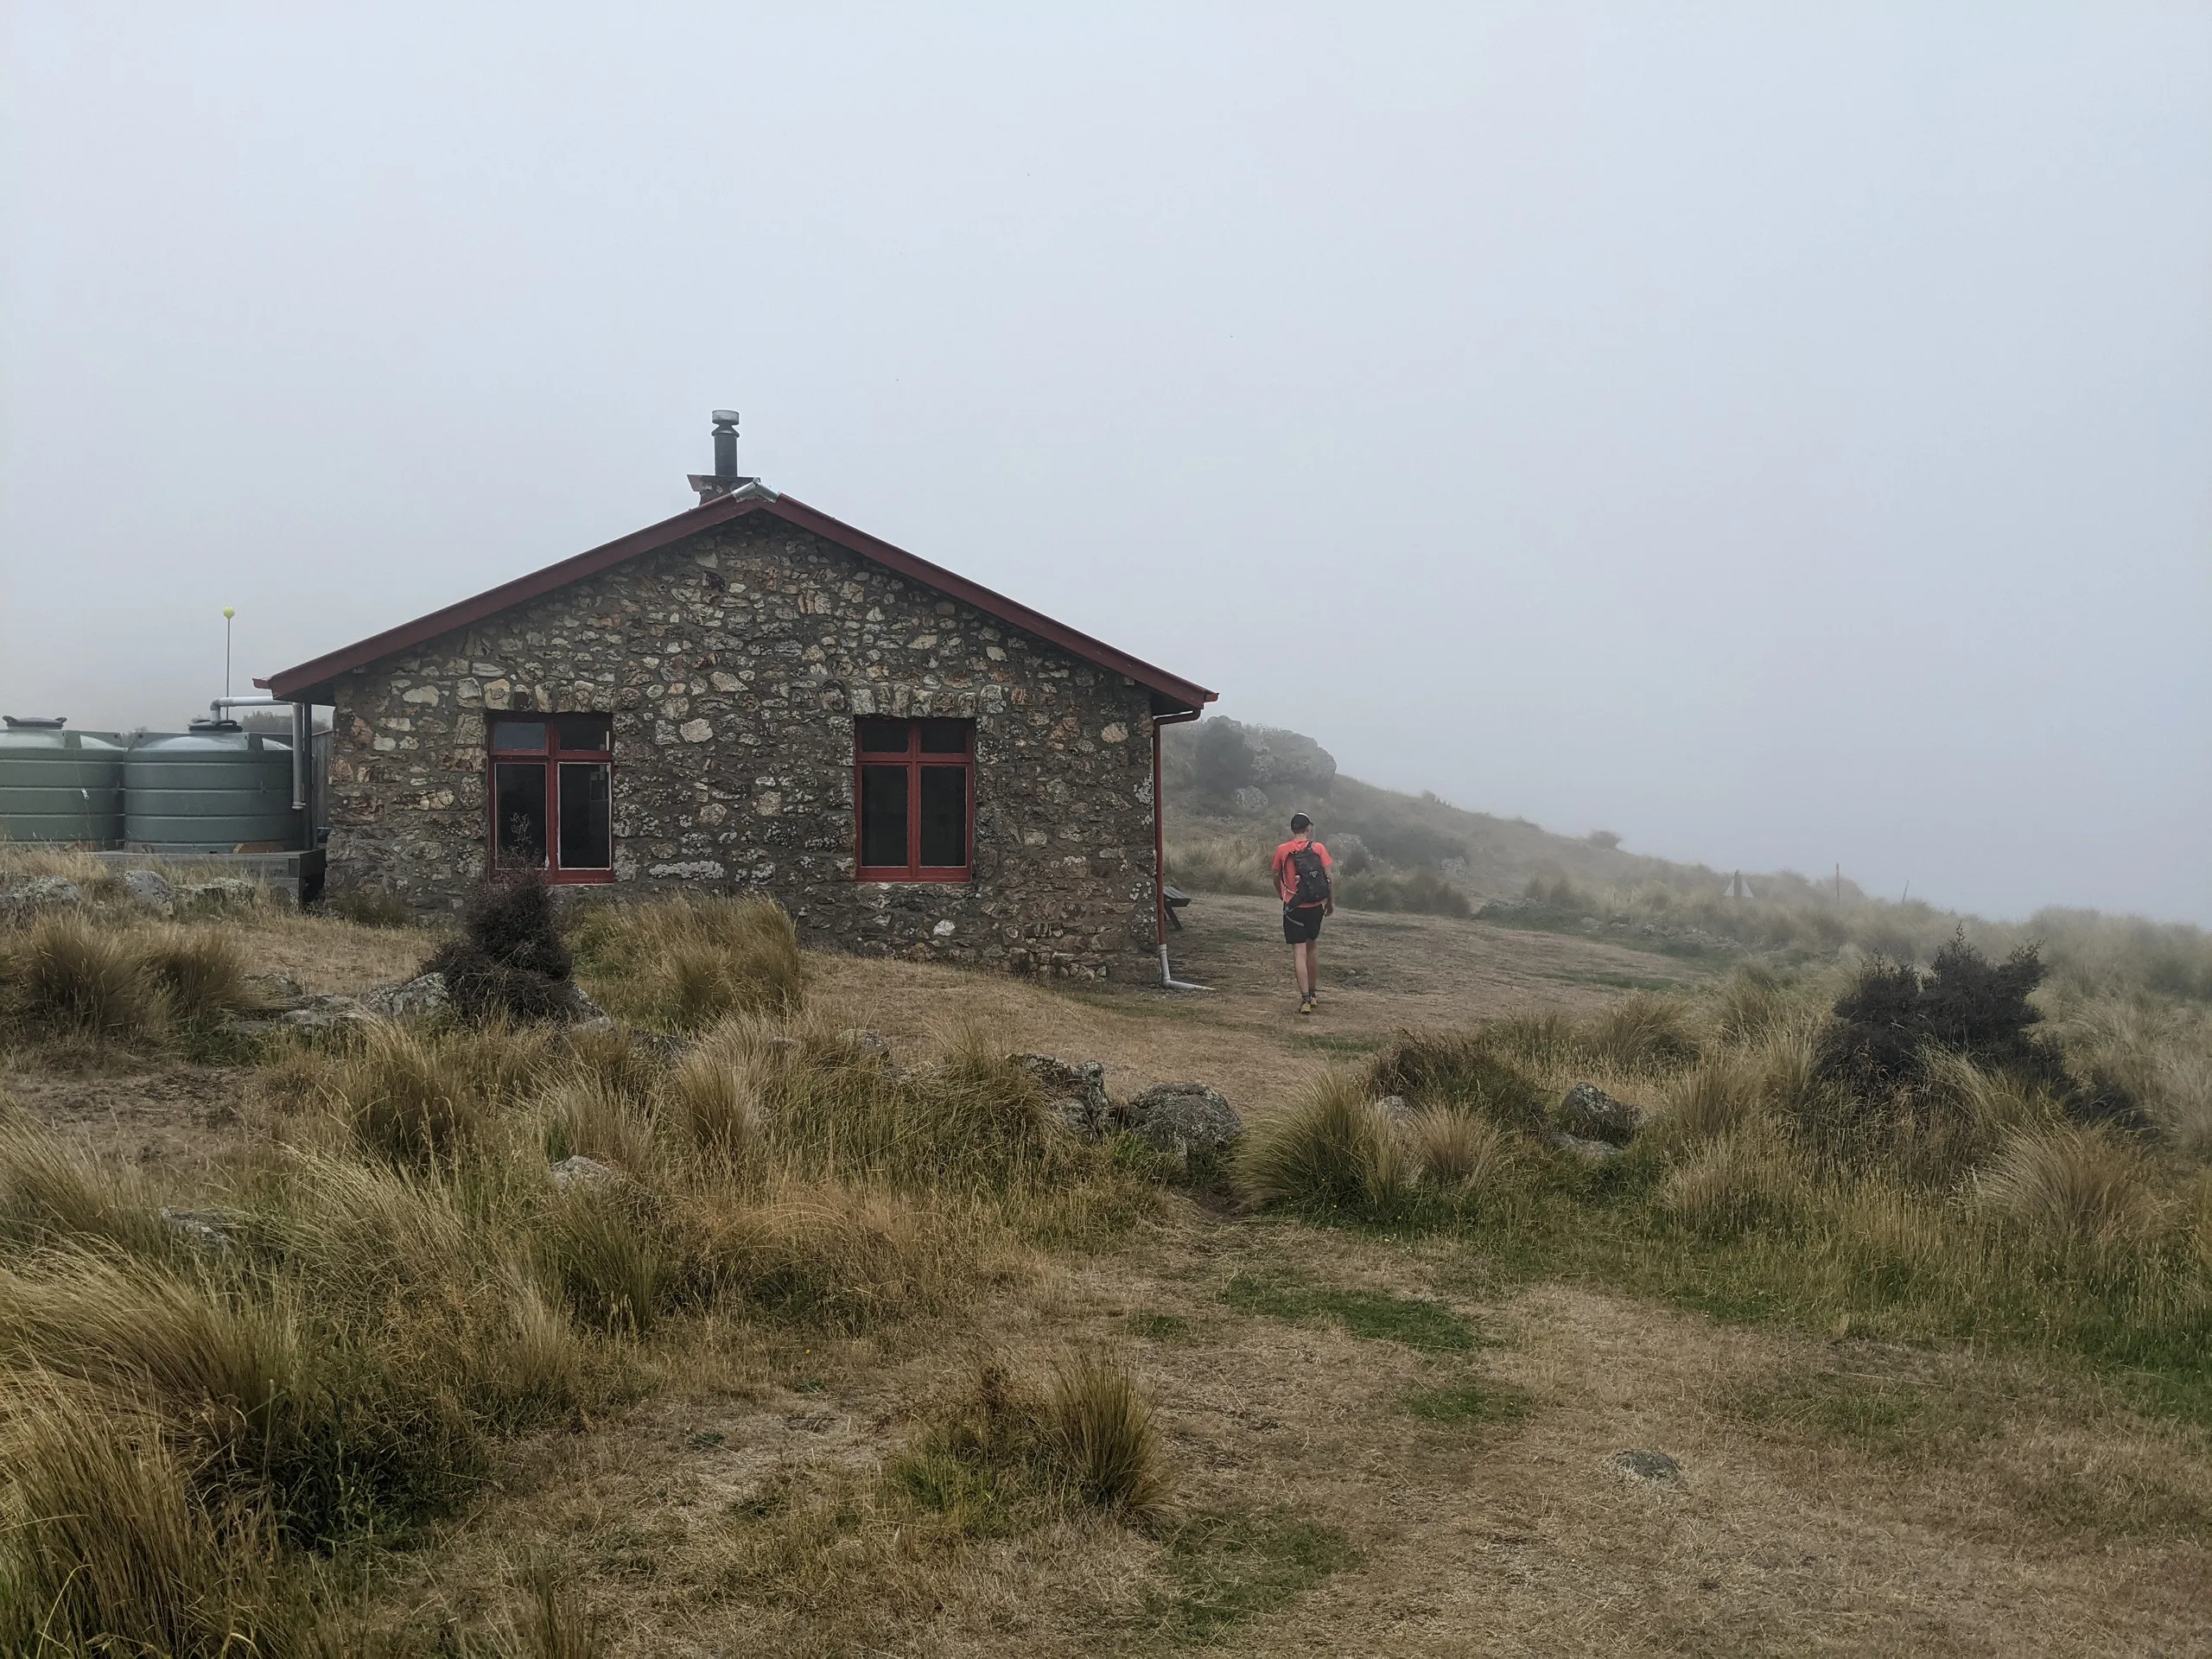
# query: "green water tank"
58,785
215,789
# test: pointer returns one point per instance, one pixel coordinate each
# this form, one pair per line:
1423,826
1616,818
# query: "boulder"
150,888
1180,1118
424,994
1596,1152
276,992
1078,1091
1396,1108
1289,762
23,896
586,1173
1249,800
1645,1468
1591,1113
222,893
322,1012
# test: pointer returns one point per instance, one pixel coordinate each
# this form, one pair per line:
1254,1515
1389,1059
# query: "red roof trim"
312,676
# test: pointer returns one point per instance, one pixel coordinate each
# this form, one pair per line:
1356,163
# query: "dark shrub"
1877,1045
510,962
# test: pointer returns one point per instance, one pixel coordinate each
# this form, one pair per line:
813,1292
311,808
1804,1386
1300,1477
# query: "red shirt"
1287,877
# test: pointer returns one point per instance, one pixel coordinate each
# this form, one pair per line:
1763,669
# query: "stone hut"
751,697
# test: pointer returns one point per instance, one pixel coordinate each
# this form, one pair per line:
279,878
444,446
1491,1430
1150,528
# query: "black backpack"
1312,877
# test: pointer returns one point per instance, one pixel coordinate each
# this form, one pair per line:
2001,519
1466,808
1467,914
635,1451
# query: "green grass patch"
1228,1566
1889,1417
1475,1405
1624,981
1160,1327
1375,1314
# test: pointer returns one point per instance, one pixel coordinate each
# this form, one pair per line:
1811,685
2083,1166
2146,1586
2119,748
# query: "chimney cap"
723,416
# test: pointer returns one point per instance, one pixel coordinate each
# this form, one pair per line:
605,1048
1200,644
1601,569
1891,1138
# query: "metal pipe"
1168,979
303,734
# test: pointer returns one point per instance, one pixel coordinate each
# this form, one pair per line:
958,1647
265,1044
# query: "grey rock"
222,893
1178,1118
1397,1107
150,888
581,1009
23,896
424,994
322,1012
1077,1089
586,1173
1288,762
1646,1468
1596,1152
277,993
1592,1113
1249,799
209,1230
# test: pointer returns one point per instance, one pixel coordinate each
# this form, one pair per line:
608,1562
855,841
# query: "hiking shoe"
1306,1005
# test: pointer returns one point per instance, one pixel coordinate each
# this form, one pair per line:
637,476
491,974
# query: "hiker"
1302,878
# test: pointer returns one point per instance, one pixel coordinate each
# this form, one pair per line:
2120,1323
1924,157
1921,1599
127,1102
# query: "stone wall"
733,664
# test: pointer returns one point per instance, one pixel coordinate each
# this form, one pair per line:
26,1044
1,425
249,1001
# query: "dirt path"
1243,1034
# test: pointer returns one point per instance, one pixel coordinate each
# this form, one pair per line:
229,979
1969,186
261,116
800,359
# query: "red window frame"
915,760
552,755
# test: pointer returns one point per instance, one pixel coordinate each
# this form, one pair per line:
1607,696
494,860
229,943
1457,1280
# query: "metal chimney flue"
725,480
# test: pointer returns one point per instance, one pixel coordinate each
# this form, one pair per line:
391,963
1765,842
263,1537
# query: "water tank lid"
208,723
36,722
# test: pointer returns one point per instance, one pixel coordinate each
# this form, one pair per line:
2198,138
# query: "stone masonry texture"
734,663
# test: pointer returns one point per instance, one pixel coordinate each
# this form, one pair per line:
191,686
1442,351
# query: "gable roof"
313,681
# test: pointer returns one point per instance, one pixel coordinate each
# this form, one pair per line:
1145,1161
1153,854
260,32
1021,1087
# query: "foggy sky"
1780,435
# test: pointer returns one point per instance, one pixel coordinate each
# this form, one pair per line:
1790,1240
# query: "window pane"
946,736
518,814
584,732
944,817
883,737
519,735
587,835
883,815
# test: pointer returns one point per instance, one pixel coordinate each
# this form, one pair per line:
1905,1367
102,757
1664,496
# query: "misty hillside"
1230,789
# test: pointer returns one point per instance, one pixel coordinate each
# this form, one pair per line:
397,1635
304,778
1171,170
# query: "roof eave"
316,681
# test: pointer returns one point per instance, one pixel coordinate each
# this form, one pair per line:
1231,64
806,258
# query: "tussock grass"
1332,1150
1734,1184
1221,864
1643,1032
1106,1450
1460,1153
1009,1454
67,975
49,1195
104,1551
2074,1185
683,964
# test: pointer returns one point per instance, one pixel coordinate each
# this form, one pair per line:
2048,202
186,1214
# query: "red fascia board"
311,677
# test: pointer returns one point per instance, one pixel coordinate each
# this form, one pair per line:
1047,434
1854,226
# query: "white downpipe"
1168,979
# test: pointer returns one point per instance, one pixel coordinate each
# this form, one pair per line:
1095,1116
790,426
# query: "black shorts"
1301,923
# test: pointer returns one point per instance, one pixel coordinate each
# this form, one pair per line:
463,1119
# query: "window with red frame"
552,798
914,798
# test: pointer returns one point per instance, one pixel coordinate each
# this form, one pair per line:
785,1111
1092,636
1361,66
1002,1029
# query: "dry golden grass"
723,1395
